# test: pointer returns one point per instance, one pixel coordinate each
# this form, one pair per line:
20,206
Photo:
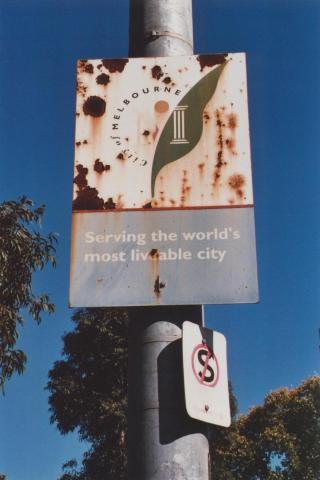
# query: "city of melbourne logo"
162,133
184,127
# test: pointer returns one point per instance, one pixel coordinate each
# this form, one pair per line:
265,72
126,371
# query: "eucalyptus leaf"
195,100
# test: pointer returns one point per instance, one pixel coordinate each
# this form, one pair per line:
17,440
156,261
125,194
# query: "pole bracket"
160,338
154,34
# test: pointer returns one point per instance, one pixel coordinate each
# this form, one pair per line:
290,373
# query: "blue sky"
271,344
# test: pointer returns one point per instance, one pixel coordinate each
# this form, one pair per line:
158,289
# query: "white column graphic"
179,125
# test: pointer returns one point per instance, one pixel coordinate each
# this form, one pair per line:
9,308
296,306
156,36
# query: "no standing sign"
205,375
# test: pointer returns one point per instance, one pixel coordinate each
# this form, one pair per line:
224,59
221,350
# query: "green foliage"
23,250
88,392
279,440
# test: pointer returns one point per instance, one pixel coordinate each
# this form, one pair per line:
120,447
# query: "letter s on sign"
89,236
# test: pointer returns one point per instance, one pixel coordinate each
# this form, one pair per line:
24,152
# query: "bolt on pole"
163,442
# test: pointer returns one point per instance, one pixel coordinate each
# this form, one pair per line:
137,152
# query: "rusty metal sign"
162,203
205,374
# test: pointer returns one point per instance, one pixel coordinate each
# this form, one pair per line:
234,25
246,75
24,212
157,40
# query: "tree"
279,440
23,250
221,441
88,392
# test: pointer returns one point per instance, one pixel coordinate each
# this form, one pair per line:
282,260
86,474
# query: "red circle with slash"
205,365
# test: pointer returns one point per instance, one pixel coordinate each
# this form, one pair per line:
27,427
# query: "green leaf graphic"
195,100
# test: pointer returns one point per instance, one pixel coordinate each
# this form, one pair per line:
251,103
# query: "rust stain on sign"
88,199
167,80
94,106
154,253
99,167
110,204
89,68
115,65
157,72
158,286
120,156
103,79
81,178
211,60
232,121
236,183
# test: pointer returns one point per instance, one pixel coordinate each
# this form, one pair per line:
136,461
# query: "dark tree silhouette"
88,392
279,440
